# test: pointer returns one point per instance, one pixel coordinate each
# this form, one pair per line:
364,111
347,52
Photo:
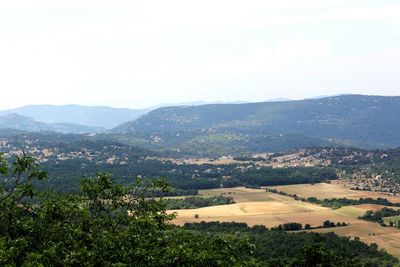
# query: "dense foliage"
278,248
105,225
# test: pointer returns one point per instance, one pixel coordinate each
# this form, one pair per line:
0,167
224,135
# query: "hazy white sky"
140,53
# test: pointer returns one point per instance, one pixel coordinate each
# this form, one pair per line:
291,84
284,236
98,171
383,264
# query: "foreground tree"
105,225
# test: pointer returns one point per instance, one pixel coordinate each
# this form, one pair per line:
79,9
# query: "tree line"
197,202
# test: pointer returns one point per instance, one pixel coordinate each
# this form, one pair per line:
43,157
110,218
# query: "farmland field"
256,206
335,189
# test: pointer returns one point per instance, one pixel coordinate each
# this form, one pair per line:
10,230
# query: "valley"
234,167
200,133
257,207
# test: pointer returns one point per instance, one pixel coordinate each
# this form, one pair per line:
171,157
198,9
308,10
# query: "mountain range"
18,122
103,117
92,116
346,120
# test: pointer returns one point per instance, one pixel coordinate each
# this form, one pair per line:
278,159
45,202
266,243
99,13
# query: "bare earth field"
335,189
255,206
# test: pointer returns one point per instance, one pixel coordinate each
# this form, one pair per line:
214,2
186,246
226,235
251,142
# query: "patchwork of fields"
256,206
335,189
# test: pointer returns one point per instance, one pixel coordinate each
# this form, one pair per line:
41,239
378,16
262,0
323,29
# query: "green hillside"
348,120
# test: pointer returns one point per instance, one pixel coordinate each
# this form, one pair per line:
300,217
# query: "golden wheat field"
335,189
256,206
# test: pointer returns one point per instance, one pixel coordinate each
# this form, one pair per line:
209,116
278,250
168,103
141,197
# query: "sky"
141,53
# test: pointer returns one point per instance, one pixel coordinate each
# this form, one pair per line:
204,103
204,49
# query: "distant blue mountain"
18,122
91,116
104,117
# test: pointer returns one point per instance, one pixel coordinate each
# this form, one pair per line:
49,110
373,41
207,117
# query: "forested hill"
356,120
